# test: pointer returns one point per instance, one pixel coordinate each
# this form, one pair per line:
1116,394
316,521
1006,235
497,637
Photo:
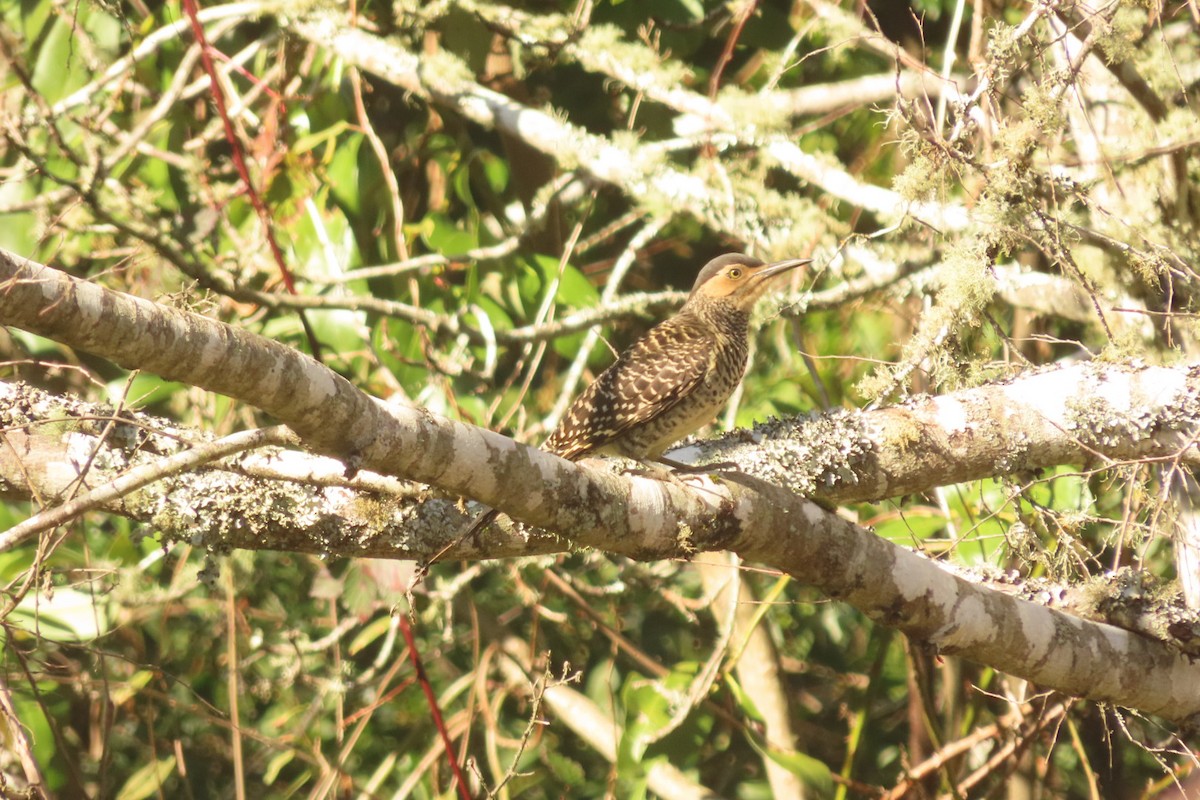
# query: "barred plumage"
674,379
632,404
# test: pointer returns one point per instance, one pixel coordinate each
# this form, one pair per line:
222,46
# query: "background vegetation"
986,187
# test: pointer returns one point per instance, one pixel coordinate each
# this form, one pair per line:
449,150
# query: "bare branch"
1082,414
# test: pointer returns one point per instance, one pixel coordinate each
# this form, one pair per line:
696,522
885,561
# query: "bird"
673,380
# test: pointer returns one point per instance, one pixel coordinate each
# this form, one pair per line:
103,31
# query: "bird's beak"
778,267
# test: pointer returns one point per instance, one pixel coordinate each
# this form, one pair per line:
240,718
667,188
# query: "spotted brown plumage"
673,380
676,378
630,410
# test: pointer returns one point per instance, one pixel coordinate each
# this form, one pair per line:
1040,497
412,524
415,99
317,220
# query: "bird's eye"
734,274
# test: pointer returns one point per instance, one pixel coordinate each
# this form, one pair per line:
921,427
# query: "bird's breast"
726,365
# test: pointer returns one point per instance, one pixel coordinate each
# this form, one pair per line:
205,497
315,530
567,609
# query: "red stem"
415,657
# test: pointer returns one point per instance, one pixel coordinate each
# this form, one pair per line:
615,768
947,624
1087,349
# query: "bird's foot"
665,469
698,469
646,469
701,469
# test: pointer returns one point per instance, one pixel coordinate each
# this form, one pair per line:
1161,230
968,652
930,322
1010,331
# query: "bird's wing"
648,380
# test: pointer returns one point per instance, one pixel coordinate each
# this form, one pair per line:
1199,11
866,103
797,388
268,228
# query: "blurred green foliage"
117,651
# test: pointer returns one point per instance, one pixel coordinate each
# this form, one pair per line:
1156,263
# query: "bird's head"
739,279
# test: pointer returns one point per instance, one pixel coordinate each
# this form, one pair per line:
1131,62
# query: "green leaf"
66,615
601,683
650,705
145,389
574,289
369,633
343,173
340,330
981,512
744,701
36,345
105,31
33,19
326,137
120,693
912,524
16,561
148,780
695,8
276,765
18,232
446,235
815,774
59,69
495,170
566,771
31,714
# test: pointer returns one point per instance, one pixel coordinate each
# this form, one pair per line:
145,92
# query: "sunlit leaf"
148,780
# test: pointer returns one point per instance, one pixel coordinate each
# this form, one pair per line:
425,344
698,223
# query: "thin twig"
142,476
620,268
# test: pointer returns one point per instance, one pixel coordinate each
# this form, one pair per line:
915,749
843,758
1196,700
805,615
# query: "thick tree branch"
1090,414
334,418
645,518
268,499
134,479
